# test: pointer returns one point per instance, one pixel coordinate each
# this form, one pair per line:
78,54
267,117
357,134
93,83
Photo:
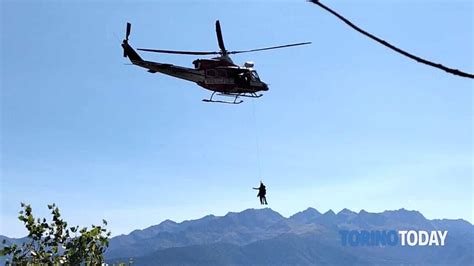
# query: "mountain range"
264,237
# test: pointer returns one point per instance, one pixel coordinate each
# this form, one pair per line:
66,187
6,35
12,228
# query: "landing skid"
234,95
218,101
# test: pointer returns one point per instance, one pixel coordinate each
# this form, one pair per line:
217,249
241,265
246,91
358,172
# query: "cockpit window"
254,75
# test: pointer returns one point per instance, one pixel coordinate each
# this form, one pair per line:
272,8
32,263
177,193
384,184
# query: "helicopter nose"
265,86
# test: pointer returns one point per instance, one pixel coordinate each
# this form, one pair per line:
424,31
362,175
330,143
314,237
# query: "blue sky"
346,123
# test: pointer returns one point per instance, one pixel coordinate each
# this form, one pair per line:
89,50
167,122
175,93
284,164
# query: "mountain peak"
405,212
168,222
305,216
329,213
404,215
346,211
309,211
252,211
312,210
251,216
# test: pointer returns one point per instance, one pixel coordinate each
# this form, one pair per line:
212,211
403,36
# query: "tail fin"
128,51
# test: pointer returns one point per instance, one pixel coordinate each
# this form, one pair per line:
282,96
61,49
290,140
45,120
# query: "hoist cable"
257,143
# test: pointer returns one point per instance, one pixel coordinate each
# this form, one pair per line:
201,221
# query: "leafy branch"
55,243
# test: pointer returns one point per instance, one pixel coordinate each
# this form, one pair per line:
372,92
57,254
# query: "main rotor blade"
269,48
176,52
220,40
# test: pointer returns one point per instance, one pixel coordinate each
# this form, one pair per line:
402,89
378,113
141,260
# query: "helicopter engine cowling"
249,64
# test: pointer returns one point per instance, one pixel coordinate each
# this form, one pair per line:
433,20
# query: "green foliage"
55,243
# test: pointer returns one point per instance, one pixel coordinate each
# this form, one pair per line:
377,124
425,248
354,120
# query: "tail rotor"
127,33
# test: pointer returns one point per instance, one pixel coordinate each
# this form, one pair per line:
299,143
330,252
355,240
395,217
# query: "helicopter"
219,74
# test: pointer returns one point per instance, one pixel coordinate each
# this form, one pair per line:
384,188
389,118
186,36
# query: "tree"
54,243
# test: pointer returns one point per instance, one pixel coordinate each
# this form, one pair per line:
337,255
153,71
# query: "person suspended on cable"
262,191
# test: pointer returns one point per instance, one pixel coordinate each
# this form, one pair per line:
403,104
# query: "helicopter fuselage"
213,75
219,74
